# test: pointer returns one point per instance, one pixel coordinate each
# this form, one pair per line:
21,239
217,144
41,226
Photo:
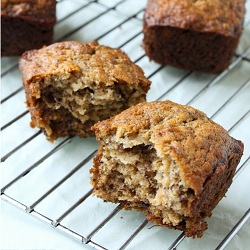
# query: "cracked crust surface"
166,159
98,63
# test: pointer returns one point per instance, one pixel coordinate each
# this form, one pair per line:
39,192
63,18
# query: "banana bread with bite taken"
168,160
72,85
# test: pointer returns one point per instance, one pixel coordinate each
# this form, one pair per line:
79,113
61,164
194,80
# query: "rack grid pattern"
51,181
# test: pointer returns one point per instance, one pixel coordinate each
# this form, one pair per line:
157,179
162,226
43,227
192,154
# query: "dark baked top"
38,9
196,143
220,16
98,63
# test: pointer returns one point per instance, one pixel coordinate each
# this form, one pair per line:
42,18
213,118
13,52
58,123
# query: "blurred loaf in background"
194,35
26,25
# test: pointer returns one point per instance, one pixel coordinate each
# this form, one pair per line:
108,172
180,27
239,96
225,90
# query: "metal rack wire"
118,24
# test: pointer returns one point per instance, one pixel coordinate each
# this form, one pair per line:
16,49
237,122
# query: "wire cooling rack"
51,181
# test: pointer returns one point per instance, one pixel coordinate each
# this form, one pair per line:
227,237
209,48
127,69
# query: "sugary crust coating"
100,63
197,144
223,17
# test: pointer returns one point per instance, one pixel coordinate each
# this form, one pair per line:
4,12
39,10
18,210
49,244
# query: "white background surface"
225,99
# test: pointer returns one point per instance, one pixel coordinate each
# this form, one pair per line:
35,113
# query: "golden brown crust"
100,63
182,163
223,17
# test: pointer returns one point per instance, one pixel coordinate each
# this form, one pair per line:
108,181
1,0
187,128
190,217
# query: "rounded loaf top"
221,16
177,132
99,63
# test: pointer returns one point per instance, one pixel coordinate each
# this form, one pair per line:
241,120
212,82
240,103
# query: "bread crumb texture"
72,85
166,159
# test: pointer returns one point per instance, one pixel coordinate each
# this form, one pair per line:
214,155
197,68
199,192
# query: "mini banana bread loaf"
72,85
199,35
26,25
166,159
